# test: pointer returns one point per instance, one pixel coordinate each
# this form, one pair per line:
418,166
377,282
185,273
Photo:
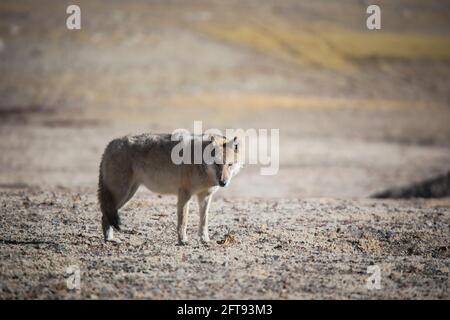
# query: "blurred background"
359,111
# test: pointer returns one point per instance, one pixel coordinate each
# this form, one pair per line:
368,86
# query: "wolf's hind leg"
127,195
182,213
110,217
111,200
108,231
122,195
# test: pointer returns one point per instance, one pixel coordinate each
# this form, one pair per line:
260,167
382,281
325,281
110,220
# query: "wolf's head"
226,159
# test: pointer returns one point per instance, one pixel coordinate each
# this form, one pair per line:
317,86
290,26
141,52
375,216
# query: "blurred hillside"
358,111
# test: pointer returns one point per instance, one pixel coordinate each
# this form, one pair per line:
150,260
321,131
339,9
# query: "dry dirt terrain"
359,112
282,249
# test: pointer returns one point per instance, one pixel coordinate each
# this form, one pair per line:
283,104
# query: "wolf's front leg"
204,199
183,213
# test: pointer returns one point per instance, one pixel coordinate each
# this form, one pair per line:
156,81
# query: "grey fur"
145,159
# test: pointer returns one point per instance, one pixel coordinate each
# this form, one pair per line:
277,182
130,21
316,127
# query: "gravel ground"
288,249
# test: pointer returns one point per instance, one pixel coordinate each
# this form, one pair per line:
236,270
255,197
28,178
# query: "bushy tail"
107,205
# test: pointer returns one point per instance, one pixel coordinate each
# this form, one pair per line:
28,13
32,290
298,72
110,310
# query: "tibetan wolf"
146,159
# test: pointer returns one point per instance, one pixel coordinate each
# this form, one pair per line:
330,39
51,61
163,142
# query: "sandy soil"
317,248
308,232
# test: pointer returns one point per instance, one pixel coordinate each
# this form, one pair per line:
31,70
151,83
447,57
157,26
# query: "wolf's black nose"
222,183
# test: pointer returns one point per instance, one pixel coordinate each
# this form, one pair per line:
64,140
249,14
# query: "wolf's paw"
183,242
205,239
113,240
